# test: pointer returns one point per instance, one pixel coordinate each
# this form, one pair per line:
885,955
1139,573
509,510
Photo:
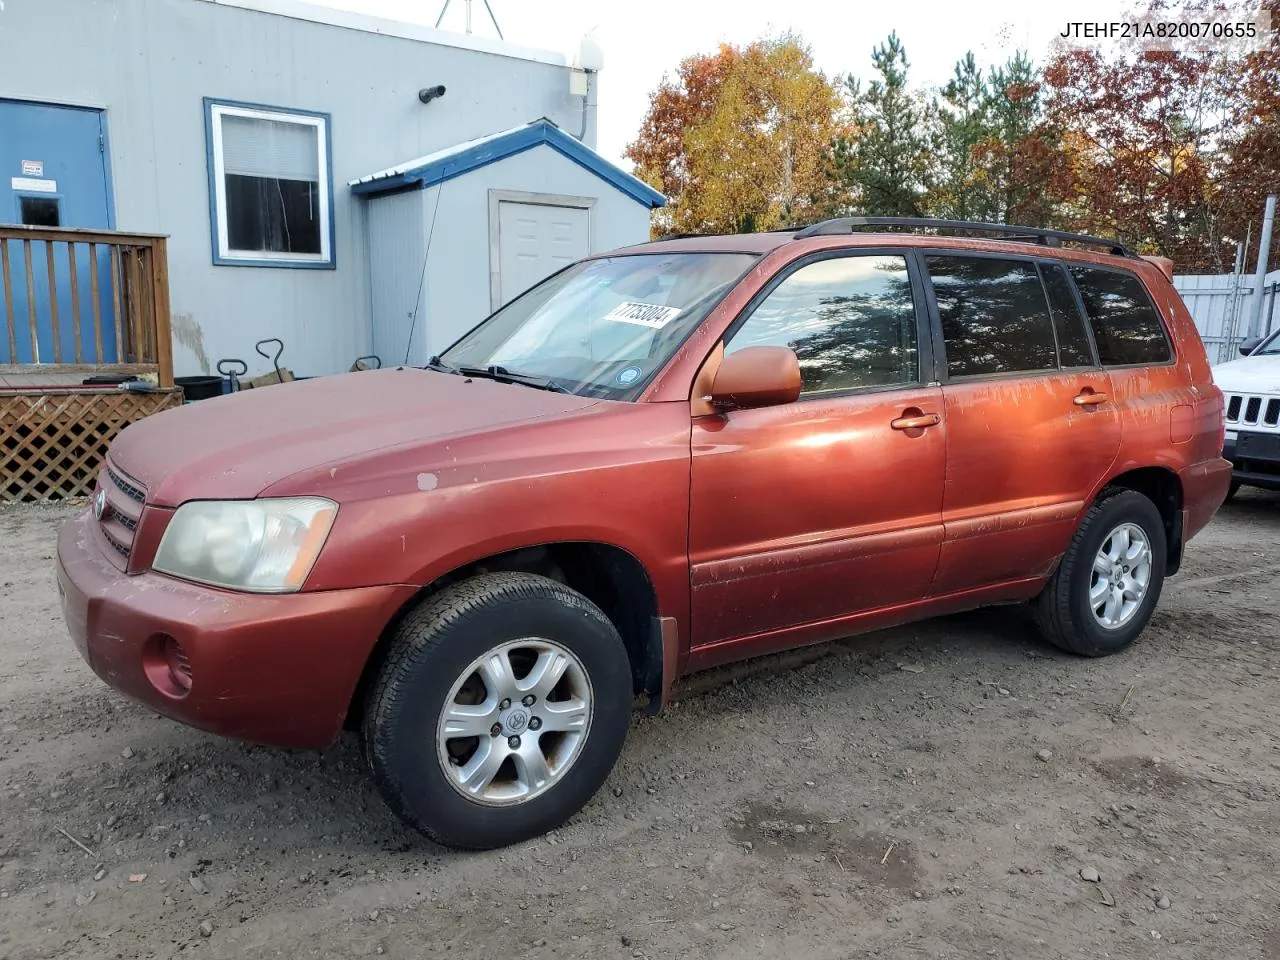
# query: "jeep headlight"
260,546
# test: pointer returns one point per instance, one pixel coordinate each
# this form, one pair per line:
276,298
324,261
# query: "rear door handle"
1089,399
917,422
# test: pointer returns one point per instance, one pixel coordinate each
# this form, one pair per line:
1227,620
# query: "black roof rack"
720,233
999,231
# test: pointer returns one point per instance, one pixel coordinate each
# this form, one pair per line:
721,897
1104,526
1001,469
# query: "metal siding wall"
151,62
457,295
1209,300
397,232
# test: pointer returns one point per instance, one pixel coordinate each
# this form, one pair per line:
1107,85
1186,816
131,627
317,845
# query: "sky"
642,40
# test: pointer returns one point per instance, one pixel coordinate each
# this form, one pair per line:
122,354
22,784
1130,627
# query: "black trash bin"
199,388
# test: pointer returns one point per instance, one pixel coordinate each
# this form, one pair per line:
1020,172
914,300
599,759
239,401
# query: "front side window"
270,186
600,327
994,316
850,320
1126,326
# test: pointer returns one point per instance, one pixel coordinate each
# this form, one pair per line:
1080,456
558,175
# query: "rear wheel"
500,710
1105,589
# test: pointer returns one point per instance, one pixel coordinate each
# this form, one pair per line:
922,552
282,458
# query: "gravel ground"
937,791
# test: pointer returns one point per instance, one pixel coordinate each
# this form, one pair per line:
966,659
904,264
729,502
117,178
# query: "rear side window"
994,316
1126,326
1073,339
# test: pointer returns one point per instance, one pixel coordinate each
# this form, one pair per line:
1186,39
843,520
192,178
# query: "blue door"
54,173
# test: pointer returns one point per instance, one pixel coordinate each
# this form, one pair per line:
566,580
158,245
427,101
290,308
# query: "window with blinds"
271,186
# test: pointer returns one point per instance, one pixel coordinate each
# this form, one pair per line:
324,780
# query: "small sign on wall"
33,186
33,168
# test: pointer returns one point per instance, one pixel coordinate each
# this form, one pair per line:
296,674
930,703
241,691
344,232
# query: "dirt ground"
885,796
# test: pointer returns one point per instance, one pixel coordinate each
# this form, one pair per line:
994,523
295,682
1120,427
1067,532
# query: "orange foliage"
737,140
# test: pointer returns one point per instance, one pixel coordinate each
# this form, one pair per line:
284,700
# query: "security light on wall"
427,94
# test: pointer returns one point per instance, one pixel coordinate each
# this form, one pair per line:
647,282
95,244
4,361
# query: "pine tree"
964,192
889,166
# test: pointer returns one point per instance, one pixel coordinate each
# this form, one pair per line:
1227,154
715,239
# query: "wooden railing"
84,301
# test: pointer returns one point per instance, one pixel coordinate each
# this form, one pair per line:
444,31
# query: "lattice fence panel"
52,444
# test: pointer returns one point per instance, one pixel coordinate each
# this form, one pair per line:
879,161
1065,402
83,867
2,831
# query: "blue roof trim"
536,134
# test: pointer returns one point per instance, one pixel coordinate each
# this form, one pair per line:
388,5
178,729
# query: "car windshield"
1270,346
600,327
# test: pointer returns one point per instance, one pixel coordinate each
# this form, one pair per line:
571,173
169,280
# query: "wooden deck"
39,380
75,304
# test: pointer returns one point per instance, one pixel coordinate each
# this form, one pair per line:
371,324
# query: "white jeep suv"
1251,386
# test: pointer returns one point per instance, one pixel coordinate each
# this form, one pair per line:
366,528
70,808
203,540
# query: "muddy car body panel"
639,515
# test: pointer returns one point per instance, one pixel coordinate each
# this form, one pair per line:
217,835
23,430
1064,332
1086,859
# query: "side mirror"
757,377
1248,346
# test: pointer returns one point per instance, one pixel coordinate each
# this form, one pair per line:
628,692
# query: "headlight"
262,546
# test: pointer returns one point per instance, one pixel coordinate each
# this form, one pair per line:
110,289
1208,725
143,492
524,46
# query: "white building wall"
150,63
456,295
397,244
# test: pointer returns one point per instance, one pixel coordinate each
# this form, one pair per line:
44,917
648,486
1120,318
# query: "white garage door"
535,240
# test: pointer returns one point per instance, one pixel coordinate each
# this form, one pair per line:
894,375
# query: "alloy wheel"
1121,576
514,722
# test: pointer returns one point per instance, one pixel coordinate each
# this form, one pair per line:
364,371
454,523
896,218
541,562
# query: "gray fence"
1222,306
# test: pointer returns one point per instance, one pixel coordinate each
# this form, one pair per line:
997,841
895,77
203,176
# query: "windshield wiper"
435,363
503,375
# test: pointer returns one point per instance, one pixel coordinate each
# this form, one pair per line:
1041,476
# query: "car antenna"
422,276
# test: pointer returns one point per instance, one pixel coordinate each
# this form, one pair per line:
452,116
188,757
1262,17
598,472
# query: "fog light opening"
167,666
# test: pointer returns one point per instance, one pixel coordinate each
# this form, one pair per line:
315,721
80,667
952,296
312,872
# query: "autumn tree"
1252,145
1172,152
887,162
737,140
1148,129
1026,162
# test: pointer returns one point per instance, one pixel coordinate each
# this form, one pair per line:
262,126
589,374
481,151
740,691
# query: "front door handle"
1088,398
917,422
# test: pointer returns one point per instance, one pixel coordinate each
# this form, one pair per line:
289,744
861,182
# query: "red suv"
656,460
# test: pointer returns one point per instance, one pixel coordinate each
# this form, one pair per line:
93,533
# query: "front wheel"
500,710
1106,587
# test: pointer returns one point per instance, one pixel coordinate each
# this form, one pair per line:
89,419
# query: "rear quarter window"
1127,328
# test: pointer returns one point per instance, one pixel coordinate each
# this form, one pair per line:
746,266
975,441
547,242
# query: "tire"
1064,614
512,617
1232,491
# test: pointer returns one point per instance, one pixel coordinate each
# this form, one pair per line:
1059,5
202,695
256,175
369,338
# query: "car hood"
235,446
1249,375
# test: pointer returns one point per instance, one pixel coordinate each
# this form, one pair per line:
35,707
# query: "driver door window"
850,320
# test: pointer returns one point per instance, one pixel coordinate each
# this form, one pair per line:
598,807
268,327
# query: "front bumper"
1252,464
277,670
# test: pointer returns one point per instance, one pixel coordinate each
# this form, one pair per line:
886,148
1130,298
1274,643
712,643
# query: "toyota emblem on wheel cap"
517,720
100,504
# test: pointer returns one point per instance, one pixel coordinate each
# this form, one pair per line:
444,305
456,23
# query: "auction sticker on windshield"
654,315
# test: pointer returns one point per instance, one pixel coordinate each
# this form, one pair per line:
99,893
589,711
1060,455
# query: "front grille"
1252,411
128,488
121,510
